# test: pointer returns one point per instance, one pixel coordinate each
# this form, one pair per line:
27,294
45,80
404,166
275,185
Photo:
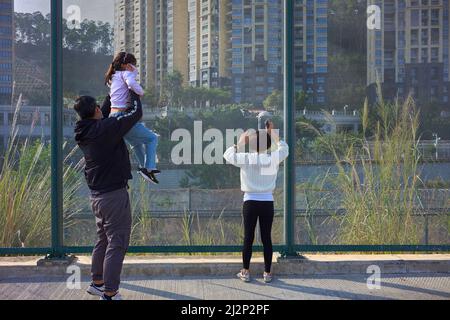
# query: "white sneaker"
96,291
267,277
244,276
116,297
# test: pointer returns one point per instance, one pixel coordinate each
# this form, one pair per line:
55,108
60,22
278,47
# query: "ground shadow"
280,284
156,292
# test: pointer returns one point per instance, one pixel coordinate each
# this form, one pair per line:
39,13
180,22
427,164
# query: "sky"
102,10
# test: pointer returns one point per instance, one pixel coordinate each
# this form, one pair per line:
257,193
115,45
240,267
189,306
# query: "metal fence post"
57,129
427,236
289,126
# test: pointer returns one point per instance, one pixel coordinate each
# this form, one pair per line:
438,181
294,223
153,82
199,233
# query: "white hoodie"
258,170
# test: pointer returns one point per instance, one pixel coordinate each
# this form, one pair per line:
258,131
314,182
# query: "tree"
431,122
172,86
105,36
218,96
274,100
150,97
347,54
306,131
301,99
190,97
347,80
34,28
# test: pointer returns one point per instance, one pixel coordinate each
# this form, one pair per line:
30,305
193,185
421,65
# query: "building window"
414,37
415,18
434,36
434,54
414,55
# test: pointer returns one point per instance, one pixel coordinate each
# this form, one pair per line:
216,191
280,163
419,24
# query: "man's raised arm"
132,117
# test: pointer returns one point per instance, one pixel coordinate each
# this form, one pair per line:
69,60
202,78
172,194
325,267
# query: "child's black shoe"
148,176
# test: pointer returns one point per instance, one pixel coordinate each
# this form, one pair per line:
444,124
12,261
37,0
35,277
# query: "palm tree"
172,86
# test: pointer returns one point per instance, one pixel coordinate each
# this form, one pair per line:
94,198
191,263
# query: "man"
107,173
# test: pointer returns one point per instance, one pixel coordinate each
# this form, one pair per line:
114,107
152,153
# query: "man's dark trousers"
113,217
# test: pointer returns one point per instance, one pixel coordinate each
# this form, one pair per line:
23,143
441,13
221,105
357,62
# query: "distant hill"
83,72
31,82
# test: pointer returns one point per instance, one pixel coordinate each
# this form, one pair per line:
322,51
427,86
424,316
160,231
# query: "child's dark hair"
85,107
120,59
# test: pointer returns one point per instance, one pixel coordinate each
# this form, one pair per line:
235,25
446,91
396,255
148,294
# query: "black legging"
253,210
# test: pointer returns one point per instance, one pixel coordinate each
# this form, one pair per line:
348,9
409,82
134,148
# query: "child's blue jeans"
143,142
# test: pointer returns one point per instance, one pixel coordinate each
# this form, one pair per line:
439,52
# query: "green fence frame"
288,249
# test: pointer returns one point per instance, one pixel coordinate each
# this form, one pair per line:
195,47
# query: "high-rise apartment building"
204,37
311,49
237,44
253,54
409,54
130,32
156,31
253,58
168,46
6,50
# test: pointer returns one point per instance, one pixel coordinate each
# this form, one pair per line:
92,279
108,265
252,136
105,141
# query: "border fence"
58,249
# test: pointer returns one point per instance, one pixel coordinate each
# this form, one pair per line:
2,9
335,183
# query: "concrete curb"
191,267
361,267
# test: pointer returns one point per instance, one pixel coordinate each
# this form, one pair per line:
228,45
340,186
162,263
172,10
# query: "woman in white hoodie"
259,170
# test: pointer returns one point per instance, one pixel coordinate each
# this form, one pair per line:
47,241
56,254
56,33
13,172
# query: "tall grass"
211,230
25,191
378,177
316,198
143,230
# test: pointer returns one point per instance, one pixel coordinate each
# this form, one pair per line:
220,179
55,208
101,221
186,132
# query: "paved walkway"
405,286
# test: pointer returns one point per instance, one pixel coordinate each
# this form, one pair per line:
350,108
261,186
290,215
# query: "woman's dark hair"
85,107
263,141
120,59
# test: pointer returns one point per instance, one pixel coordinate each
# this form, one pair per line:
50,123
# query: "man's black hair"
85,106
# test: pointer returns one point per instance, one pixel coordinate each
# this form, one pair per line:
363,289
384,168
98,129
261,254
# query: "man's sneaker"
117,296
244,276
148,176
96,290
267,277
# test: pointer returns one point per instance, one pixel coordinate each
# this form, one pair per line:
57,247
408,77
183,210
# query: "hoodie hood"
85,130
